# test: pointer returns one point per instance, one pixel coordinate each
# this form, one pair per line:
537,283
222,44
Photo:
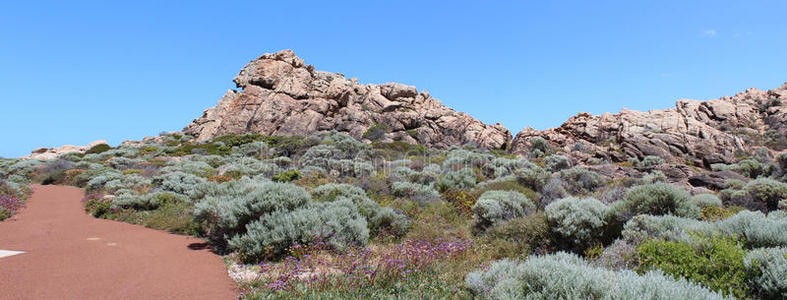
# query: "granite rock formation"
281,95
695,132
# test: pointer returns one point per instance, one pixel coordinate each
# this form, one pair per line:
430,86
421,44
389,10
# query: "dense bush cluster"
577,229
567,276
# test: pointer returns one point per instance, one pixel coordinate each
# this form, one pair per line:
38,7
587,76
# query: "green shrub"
226,208
534,177
579,180
657,199
456,180
706,200
97,149
770,268
539,147
494,207
421,194
375,132
518,237
378,218
651,161
287,176
147,201
567,276
337,223
714,262
578,221
557,162
750,168
179,182
758,229
768,191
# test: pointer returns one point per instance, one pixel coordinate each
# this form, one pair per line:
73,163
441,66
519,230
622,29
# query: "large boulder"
281,95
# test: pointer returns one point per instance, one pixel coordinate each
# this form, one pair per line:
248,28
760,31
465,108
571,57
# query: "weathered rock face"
53,153
698,132
281,95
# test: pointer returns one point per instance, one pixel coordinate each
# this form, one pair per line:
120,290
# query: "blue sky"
74,72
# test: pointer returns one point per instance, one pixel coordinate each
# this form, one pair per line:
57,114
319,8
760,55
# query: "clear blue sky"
74,72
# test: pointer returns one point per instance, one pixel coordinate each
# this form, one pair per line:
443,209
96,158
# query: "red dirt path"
65,261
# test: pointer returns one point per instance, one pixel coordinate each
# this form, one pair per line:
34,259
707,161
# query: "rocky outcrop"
281,95
695,132
53,153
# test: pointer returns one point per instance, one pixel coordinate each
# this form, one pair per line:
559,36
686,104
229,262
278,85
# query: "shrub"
651,161
337,223
657,199
147,201
770,268
567,276
557,162
534,177
706,200
620,255
714,262
494,207
551,191
9,204
179,182
465,159
287,176
579,180
655,176
461,179
378,218
743,199
518,237
757,229
539,147
318,156
97,149
580,222
750,168
768,191
421,194
375,132
228,207
501,166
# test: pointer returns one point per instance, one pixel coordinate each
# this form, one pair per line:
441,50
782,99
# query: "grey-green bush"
337,223
579,180
420,193
657,199
378,218
578,220
757,229
651,161
227,208
146,201
706,200
494,207
534,177
460,179
567,276
179,182
770,265
557,162
768,191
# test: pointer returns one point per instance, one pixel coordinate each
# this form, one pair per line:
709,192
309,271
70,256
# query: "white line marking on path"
7,253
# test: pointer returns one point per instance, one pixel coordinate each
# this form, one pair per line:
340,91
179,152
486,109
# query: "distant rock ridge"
53,153
281,95
697,132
